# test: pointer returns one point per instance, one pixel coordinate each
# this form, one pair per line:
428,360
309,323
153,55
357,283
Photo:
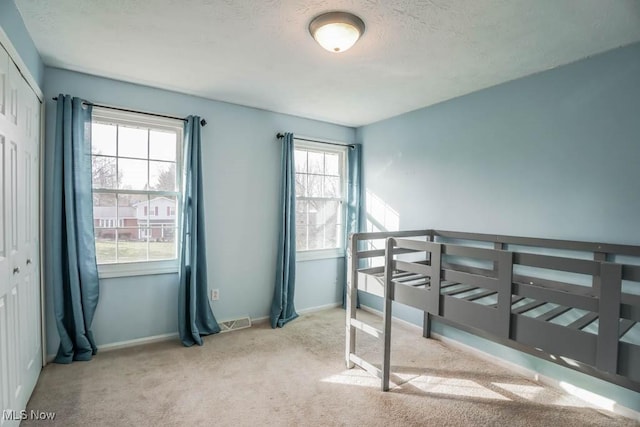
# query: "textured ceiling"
259,52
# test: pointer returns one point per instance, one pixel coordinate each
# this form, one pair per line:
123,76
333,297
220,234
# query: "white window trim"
319,254
143,268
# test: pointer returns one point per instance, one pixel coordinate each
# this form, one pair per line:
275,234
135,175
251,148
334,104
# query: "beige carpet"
296,376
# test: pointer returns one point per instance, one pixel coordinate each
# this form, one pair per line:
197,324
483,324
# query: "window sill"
319,254
129,269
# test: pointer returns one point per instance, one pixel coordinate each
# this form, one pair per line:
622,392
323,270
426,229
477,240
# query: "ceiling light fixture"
336,31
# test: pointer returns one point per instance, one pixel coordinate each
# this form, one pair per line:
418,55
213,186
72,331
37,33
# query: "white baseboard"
319,308
585,395
129,343
265,319
259,320
138,341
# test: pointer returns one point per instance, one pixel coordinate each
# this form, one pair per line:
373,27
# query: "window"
320,199
136,169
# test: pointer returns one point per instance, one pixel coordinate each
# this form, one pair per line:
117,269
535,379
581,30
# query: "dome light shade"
336,31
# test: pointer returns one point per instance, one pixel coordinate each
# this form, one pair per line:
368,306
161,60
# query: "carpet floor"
295,376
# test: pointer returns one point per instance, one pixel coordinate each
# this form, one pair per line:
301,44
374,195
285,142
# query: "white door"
20,334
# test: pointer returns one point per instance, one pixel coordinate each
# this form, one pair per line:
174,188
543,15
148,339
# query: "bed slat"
480,295
421,279
529,306
402,275
514,300
470,279
625,325
416,282
445,285
453,292
583,321
550,315
558,297
406,276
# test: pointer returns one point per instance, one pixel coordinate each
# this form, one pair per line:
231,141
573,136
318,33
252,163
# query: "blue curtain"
195,316
355,203
282,309
70,253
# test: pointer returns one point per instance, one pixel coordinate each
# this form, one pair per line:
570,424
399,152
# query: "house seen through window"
320,197
136,172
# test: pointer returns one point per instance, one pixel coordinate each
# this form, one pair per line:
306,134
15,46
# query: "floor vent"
235,324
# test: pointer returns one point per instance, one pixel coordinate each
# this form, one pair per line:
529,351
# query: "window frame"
333,148
132,119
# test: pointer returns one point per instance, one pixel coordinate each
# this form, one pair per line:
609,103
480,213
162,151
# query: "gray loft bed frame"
573,303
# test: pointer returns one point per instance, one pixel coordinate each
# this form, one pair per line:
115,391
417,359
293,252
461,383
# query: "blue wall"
551,155
241,159
13,25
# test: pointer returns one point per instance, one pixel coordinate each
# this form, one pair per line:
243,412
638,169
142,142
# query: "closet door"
20,334
28,279
5,259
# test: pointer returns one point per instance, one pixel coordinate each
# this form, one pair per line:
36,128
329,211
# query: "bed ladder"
353,324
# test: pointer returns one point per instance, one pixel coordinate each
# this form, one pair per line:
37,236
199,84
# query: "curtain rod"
280,135
203,122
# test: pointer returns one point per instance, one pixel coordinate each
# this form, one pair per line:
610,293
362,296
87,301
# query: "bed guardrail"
556,305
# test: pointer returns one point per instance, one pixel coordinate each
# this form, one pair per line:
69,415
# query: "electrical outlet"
215,294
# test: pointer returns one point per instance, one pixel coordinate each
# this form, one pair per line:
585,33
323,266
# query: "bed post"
426,325
500,247
351,296
609,317
597,280
505,289
426,322
388,299
433,306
